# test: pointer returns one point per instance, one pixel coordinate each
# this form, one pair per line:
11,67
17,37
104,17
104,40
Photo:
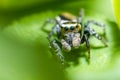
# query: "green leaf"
24,49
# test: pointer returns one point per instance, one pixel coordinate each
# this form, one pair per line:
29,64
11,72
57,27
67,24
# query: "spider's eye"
66,28
77,26
72,28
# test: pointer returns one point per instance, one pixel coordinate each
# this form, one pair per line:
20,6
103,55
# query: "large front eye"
72,28
66,28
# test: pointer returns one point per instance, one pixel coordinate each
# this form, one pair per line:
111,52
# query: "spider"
70,32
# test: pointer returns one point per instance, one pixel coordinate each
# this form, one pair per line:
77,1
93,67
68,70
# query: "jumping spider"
69,32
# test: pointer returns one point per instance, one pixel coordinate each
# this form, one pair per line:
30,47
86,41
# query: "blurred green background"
24,51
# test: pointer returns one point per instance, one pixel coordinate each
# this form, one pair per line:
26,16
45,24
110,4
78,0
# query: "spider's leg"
54,30
48,20
81,15
51,33
54,45
92,32
99,25
56,51
86,38
65,45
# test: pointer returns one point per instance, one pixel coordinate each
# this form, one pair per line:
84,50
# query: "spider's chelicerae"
70,32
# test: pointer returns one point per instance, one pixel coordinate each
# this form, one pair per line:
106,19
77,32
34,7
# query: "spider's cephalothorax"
70,34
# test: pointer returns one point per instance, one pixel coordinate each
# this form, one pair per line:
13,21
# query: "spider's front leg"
48,20
65,46
54,44
56,51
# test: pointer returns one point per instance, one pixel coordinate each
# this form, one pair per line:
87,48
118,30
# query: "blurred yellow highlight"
117,11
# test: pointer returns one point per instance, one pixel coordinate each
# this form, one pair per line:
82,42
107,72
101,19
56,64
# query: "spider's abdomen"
67,16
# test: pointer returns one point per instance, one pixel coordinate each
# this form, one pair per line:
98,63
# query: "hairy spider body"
70,34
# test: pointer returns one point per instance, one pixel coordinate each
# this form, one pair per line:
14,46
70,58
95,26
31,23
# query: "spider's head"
69,27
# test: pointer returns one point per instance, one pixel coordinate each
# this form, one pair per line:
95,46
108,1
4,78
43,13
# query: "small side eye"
77,26
66,28
72,28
